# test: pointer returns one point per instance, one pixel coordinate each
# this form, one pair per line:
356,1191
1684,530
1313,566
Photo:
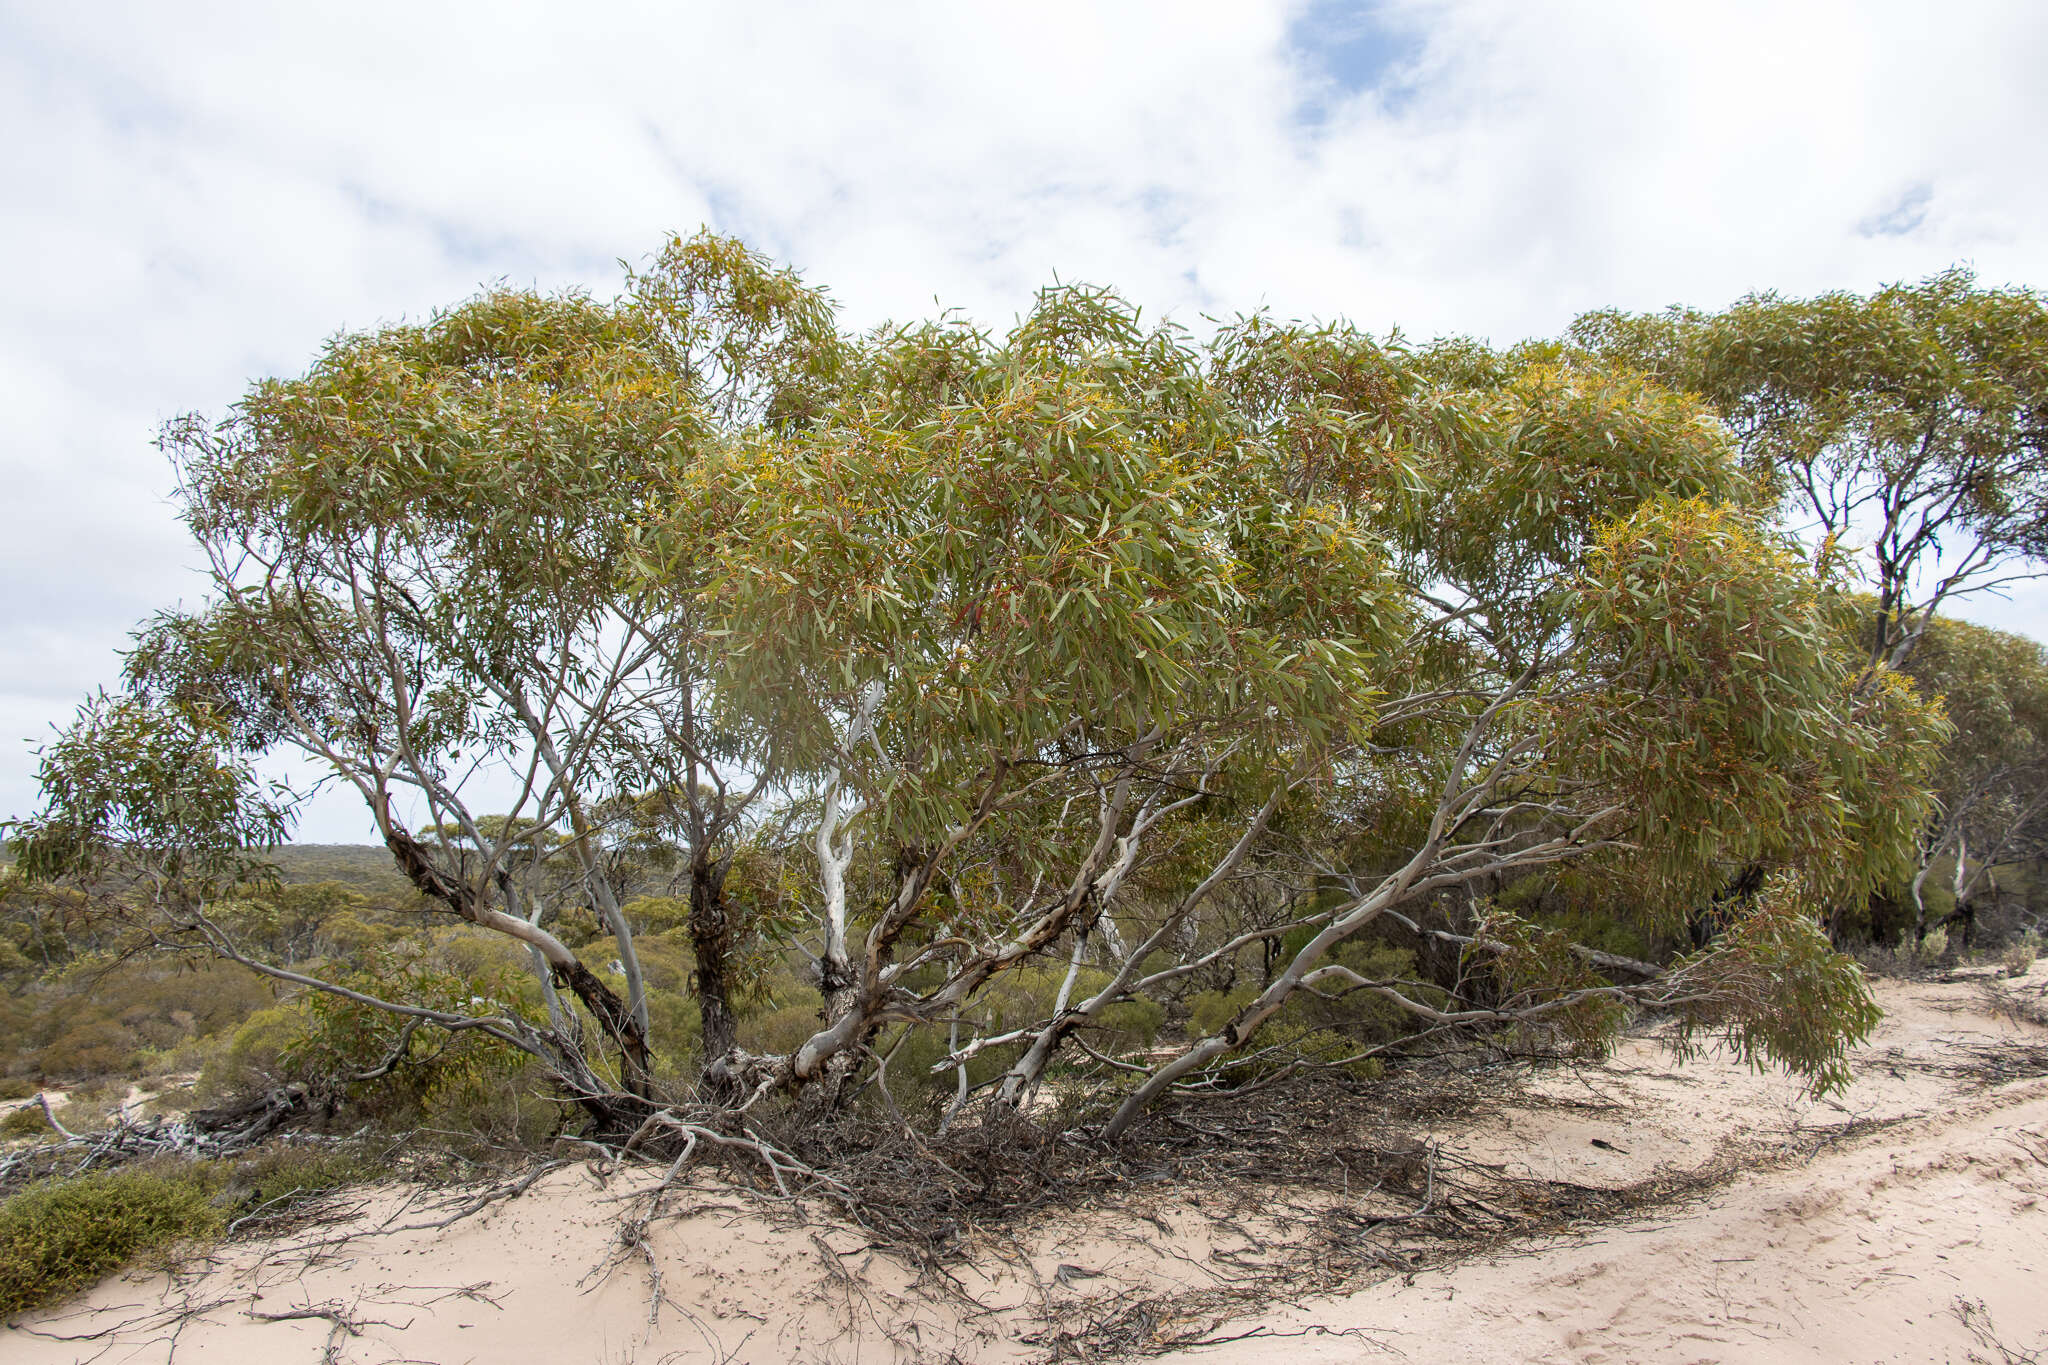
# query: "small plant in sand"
2020,954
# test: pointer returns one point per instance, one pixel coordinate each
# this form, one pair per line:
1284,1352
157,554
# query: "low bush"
253,1059
27,1121
61,1236
278,1176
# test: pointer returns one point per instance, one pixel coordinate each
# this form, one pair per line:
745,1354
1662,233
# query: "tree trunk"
711,938
614,1015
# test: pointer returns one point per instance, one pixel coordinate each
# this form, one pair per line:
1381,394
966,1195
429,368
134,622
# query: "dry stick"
485,1200
50,1117
159,1318
961,1088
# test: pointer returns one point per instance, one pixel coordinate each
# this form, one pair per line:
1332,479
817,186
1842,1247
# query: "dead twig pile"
203,1134
2021,1003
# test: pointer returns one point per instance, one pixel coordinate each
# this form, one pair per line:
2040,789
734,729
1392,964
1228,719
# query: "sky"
200,194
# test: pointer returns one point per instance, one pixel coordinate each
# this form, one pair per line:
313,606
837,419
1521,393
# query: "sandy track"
1864,1253
1850,1230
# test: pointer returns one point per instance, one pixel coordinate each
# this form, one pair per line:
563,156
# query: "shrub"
61,1236
254,1059
1130,1026
1283,1043
2020,954
1209,1011
27,1121
95,1047
780,1030
247,1183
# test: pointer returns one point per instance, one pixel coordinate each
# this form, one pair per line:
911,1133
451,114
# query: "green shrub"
1320,1028
61,1236
911,1081
249,1182
95,1047
1130,1026
464,1082
1281,1043
1209,1011
677,1033
27,1121
780,1030
254,1058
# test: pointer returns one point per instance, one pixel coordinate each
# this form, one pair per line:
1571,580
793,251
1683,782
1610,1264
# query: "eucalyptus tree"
1908,427
1082,643
1041,604
1993,777
430,579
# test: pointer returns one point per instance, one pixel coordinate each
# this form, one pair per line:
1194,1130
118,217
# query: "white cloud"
200,194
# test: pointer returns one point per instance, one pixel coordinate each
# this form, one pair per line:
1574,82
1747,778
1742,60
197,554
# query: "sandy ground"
1903,1221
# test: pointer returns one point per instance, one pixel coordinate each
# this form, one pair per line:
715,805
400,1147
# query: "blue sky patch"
1347,48
1906,213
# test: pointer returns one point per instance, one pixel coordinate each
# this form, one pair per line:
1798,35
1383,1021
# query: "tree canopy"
1908,427
942,661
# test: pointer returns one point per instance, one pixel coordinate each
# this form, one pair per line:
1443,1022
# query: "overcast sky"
199,194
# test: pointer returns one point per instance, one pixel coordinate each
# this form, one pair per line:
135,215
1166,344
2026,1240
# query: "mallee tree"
1084,649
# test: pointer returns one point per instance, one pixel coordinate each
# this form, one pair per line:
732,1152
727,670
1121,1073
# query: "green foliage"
27,1121
93,1047
1727,722
1994,768
1567,450
365,869
126,775
1462,612
1910,422
1080,536
1778,992
460,1082
61,1236
65,1234
96,1019
254,1057
1569,901
781,1030
274,1177
1292,1037
1534,973
1210,1012
1284,1043
1329,1025
1363,1015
